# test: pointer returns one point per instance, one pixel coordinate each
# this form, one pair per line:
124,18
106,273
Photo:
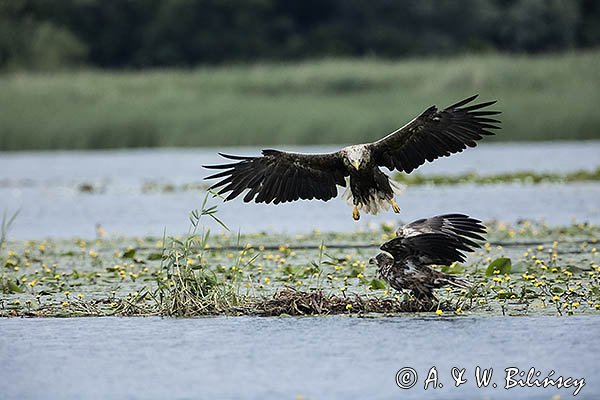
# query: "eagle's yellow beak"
356,164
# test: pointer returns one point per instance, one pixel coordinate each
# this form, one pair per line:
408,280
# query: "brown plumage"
406,261
278,176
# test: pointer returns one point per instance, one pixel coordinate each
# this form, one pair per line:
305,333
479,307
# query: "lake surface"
44,186
282,358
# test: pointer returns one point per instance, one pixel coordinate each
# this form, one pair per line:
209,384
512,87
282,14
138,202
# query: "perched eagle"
406,260
280,176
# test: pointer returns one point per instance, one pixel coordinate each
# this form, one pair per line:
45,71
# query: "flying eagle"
280,176
405,262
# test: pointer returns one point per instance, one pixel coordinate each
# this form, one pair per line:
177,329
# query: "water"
281,358
44,186
275,358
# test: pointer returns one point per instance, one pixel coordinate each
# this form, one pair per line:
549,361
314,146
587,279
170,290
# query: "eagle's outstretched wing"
440,239
279,176
434,134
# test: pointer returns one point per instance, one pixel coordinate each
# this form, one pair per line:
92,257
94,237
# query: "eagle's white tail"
377,202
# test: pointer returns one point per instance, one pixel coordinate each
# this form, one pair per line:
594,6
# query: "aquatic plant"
187,286
526,177
554,270
7,221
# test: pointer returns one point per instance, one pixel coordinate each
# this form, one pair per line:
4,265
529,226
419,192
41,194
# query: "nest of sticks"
289,301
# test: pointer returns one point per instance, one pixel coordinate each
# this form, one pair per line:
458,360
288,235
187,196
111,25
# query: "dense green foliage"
336,101
45,34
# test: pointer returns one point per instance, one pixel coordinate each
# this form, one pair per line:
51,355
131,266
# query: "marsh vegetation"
524,269
543,97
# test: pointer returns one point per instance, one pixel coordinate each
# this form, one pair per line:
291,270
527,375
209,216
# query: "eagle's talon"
395,206
355,213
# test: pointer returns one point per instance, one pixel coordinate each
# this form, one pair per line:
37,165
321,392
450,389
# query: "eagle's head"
356,156
382,260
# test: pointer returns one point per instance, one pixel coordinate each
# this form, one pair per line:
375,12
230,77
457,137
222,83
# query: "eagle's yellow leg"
355,213
394,206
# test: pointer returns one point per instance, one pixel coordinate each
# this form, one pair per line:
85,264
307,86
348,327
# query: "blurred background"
86,81
90,74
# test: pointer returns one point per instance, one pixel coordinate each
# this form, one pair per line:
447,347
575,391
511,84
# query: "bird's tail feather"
376,204
458,282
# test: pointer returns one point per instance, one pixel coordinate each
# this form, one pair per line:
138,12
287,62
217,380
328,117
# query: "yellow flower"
348,306
556,298
458,310
65,303
360,275
267,280
93,254
439,312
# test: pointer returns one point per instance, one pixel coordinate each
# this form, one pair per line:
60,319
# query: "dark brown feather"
438,240
279,177
435,134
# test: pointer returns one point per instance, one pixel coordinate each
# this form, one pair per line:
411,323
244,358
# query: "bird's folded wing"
280,176
435,248
435,134
461,226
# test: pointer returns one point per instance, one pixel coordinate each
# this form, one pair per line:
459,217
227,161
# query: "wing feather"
279,177
441,239
435,134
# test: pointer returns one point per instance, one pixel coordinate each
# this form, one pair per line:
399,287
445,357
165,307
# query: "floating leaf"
506,295
573,268
503,265
557,290
13,287
377,284
129,253
290,270
454,268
